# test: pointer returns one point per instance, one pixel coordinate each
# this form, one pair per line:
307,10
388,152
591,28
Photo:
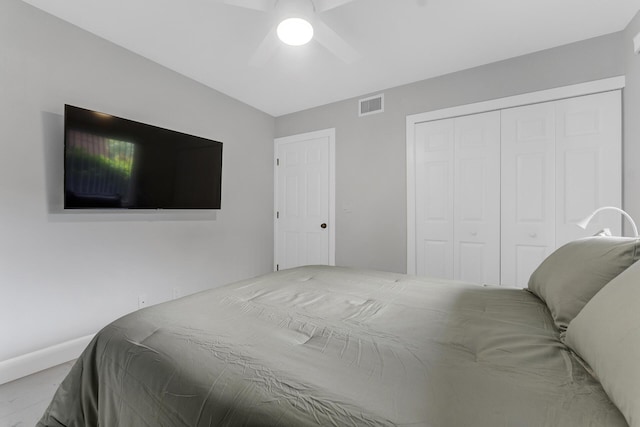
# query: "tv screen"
110,162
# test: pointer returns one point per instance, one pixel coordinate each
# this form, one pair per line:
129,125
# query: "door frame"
588,88
277,142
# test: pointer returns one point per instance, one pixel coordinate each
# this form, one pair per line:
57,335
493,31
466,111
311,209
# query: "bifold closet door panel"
528,190
561,160
589,164
434,157
458,198
476,224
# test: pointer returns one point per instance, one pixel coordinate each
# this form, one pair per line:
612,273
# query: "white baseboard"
30,363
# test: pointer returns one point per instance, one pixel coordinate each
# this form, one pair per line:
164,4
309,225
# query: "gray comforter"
333,346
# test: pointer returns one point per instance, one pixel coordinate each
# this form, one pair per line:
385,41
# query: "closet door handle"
323,225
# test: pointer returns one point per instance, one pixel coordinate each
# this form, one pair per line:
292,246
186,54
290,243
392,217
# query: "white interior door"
304,200
434,154
458,198
528,190
561,160
589,165
476,235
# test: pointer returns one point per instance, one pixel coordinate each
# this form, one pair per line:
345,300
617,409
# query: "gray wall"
631,108
370,151
66,275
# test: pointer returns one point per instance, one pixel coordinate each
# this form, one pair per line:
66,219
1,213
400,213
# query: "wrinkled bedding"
329,346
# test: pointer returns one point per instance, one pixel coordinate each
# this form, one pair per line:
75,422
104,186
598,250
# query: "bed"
333,346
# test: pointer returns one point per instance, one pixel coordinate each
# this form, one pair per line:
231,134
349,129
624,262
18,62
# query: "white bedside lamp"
583,223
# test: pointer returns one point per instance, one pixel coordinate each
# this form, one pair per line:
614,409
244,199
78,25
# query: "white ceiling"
400,41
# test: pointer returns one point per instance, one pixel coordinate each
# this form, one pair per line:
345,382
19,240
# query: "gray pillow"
606,335
569,277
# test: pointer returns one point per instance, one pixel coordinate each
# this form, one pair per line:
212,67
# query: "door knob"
323,225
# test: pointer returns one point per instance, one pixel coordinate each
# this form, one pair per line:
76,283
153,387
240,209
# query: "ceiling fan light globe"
295,31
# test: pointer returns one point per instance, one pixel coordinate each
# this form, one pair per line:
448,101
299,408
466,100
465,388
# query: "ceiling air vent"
371,105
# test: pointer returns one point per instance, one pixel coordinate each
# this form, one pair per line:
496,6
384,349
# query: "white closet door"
476,234
528,190
458,198
434,156
589,163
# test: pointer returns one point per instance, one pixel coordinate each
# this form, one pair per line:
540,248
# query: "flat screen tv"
115,163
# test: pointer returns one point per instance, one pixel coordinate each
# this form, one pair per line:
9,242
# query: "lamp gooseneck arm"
588,219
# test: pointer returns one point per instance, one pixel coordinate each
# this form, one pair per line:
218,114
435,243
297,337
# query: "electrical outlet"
142,301
176,293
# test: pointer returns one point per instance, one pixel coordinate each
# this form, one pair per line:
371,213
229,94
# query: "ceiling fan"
303,17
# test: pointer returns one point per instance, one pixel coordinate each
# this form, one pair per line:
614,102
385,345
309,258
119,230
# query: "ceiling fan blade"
261,5
266,49
334,43
324,5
